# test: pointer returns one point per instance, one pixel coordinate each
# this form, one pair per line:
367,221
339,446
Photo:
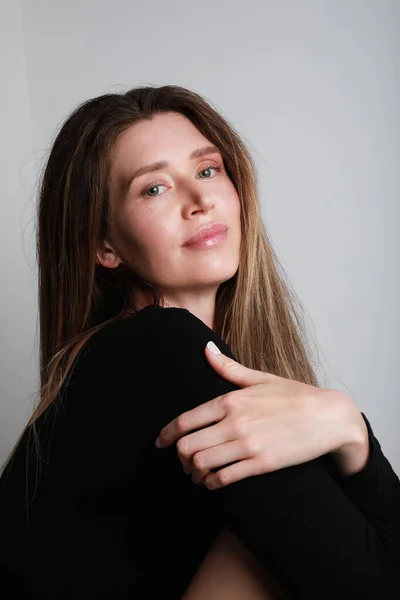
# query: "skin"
147,235
149,230
230,572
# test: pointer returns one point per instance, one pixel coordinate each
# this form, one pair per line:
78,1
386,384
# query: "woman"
132,285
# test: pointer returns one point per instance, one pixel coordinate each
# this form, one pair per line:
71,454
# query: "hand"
269,424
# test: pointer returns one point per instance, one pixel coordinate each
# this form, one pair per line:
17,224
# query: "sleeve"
375,490
319,538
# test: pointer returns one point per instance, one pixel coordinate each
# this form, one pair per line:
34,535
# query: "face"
154,214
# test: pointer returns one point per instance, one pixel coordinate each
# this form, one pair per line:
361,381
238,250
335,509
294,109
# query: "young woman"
151,244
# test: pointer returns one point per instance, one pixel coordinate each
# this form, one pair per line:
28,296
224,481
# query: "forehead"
168,136
165,136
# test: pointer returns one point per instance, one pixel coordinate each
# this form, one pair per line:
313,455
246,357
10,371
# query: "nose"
198,198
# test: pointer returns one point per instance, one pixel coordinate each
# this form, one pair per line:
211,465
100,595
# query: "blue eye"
208,168
153,187
147,191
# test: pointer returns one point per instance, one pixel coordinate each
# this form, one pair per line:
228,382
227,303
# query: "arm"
376,488
298,522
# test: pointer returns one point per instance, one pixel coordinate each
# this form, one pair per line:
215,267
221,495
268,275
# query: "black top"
106,514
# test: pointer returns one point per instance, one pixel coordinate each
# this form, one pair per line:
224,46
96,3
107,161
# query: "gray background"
313,86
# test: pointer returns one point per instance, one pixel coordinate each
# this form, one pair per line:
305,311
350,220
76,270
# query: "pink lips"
217,232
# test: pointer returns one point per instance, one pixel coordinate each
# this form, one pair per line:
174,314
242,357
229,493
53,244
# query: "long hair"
256,313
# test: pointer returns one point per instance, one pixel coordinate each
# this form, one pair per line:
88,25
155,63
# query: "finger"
233,371
217,457
205,438
232,473
200,416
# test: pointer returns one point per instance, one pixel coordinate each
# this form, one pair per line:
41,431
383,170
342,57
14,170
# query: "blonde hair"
257,313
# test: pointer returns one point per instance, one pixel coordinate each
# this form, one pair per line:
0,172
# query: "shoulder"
153,334
131,378
150,362
155,354
177,331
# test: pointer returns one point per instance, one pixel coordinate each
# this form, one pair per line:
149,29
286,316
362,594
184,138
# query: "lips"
206,232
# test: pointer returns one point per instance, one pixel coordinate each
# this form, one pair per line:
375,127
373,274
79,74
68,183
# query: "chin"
215,277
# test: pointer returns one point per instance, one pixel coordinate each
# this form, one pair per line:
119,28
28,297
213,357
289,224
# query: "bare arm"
230,572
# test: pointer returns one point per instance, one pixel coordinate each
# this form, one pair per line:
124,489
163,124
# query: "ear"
107,256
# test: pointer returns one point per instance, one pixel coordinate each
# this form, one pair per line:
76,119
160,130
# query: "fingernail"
213,348
158,443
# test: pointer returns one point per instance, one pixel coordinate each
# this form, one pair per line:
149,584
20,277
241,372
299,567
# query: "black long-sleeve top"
103,513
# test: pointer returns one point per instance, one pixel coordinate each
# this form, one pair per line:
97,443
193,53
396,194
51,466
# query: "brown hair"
257,313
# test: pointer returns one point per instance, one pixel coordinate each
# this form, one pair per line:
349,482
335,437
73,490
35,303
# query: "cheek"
233,199
147,238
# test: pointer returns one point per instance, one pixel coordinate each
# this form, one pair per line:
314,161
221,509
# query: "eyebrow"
161,164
